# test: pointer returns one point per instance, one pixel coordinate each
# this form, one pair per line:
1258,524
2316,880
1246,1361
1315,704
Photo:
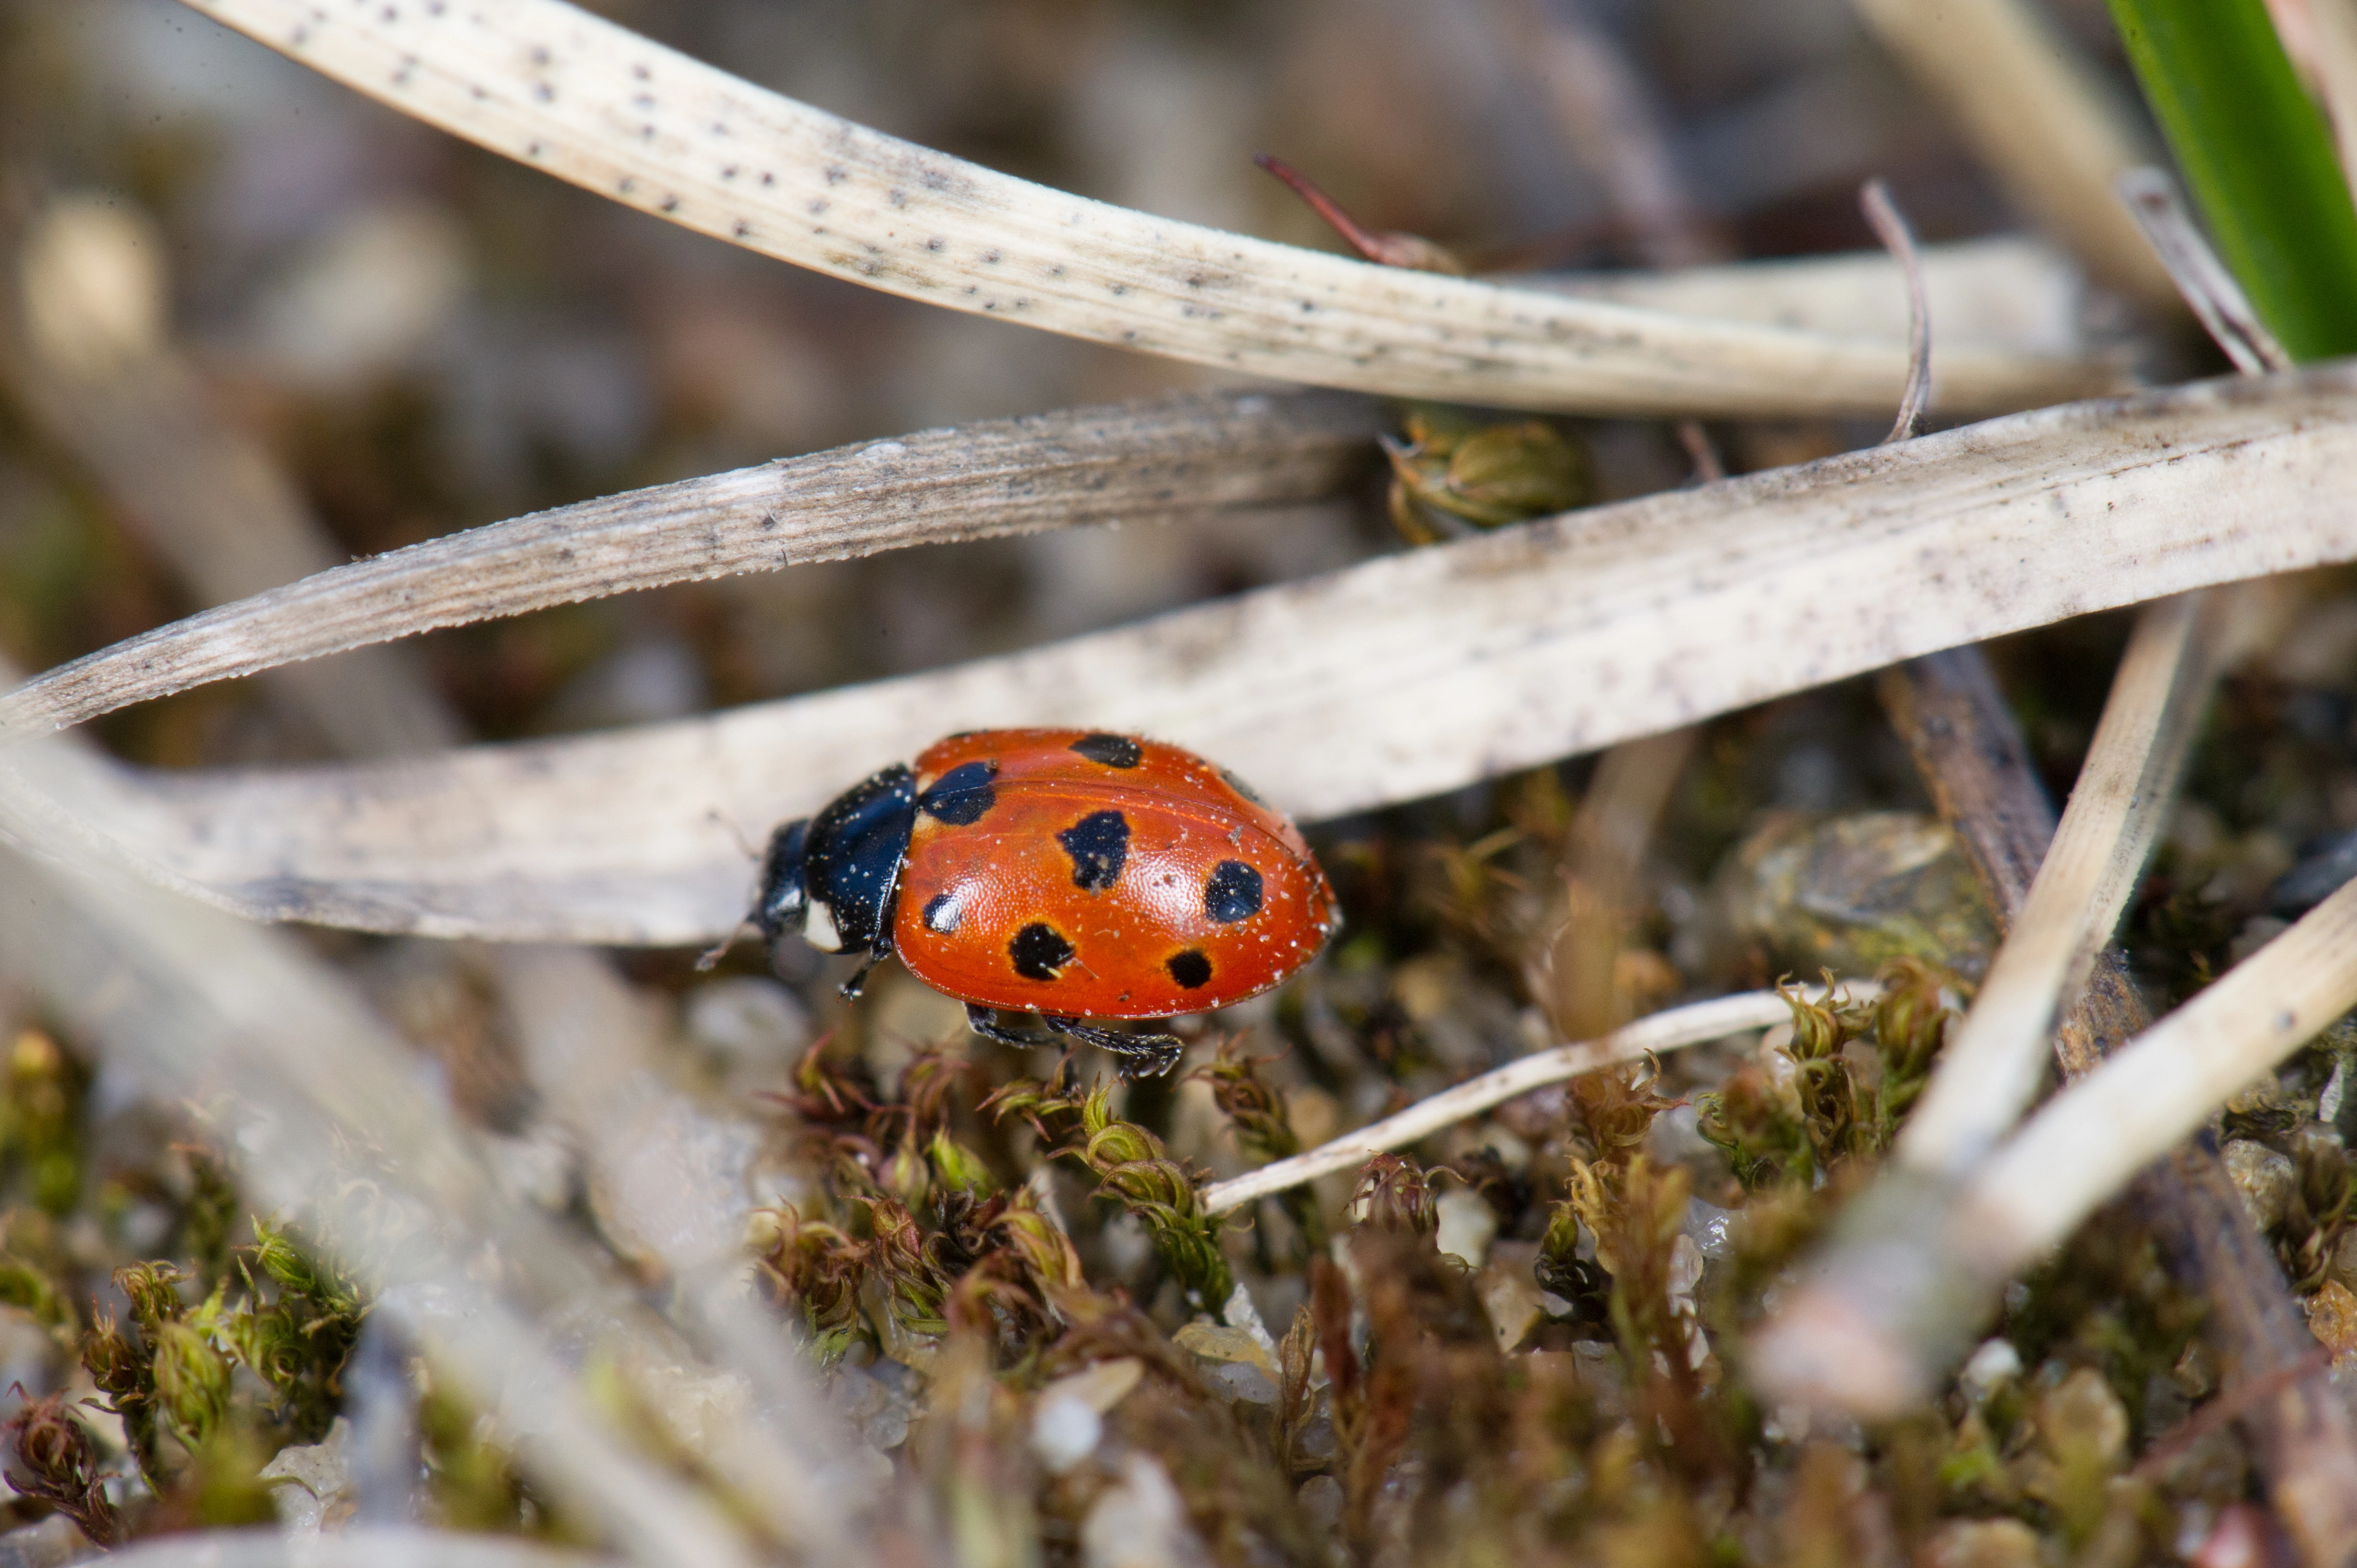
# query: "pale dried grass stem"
2086,1143
1176,457
1386,681
2042,119
1991,1068
359,1547
1666,1031
2335,27
562,90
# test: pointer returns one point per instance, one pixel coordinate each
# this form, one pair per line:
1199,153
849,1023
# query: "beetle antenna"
735,832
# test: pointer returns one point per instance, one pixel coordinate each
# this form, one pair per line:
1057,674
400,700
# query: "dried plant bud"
1448,478
152,1289
1820,1028
815,1266
926,1085
1296,1400
1751,1121
957,1168
304,1272
1253,1106
55,1461
1039,1245
192,1380
118,1367
830,1087
913,1289
1394,1194
1616,1108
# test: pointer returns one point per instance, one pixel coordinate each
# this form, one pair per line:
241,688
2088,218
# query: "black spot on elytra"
1190,969
1099,845
1240,787
961,796
942,914
1039,951
1234,892
1112,750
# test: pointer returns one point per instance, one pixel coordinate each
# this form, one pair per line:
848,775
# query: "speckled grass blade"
1388,681
562,90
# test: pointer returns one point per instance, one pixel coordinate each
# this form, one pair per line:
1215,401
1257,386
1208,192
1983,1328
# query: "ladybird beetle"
1067,873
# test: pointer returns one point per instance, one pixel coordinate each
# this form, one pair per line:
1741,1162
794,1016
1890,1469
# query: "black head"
833,877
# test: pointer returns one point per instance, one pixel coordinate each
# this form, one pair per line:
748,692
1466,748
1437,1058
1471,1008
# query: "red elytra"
1141,886
1070,873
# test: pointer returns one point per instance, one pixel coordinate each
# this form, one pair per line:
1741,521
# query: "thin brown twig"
1384,248
1701,451
1609,119
1891,227
2237,1402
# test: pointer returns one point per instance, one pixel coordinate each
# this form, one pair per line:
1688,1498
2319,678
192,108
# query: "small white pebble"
1989,1369
1064,1431
1467,1224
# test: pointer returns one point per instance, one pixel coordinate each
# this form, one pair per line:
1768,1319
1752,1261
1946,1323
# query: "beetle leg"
1141,1055
983,1021
851,988
877,952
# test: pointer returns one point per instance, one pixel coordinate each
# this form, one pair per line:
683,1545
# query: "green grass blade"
2256,153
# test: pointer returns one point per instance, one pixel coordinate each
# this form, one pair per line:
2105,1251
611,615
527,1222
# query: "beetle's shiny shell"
1093,876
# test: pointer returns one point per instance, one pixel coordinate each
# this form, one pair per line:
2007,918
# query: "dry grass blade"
2049,128
182,993
1666,1031
2009,289
364,1547
2226,313
1607,117
218,507
1991,1069
1387,682
2086,1143
1178,456
2336,69
562,90
106,382
199,1005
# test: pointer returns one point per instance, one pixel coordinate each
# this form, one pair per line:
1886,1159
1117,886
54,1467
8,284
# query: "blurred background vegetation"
426,337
